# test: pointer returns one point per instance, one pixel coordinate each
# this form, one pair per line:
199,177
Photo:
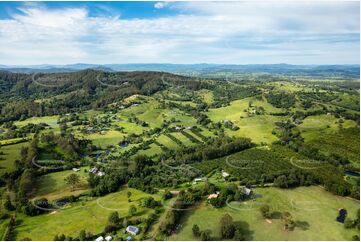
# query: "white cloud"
233,32
160,5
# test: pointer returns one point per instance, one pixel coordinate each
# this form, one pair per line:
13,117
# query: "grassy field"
323,122
231,112
11,153
166,141
153,150
207,96
91,215
313,209
111,137
258,128
53,186
130,127
50,120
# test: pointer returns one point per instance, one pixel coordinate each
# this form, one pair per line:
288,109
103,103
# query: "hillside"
103,150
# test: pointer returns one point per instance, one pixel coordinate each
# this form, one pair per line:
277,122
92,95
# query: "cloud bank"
195,32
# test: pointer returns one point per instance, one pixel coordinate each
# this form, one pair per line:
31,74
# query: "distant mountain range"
344,71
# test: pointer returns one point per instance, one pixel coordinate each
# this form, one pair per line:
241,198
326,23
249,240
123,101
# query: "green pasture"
258,128
111,137
313,209
11,153
53,186
90,214
50,120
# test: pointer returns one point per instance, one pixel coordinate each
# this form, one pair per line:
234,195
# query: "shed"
225,174
132,230
108,238
247,191
93,170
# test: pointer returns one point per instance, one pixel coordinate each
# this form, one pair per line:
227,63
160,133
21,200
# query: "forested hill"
27,95
319,71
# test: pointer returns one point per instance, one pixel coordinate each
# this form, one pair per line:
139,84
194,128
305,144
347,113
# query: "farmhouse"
132,230
247,191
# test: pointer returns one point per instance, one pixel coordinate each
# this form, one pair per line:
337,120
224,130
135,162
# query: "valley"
163,152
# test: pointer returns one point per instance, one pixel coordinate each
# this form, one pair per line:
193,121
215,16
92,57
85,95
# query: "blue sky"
258,32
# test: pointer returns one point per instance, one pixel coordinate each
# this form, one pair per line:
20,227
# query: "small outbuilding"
132,230
225,174
247,191
108,238
93,170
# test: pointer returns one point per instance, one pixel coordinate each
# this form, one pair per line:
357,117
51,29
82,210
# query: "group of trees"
22,132
281,100
108,183
196,112
204,235
288,222
214,148
225,93
230,229
333,165
184,200
90,93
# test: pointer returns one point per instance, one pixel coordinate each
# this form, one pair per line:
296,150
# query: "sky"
257,32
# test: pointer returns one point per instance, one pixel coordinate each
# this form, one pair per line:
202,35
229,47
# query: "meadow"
90,214
313,209
10,154
53,186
